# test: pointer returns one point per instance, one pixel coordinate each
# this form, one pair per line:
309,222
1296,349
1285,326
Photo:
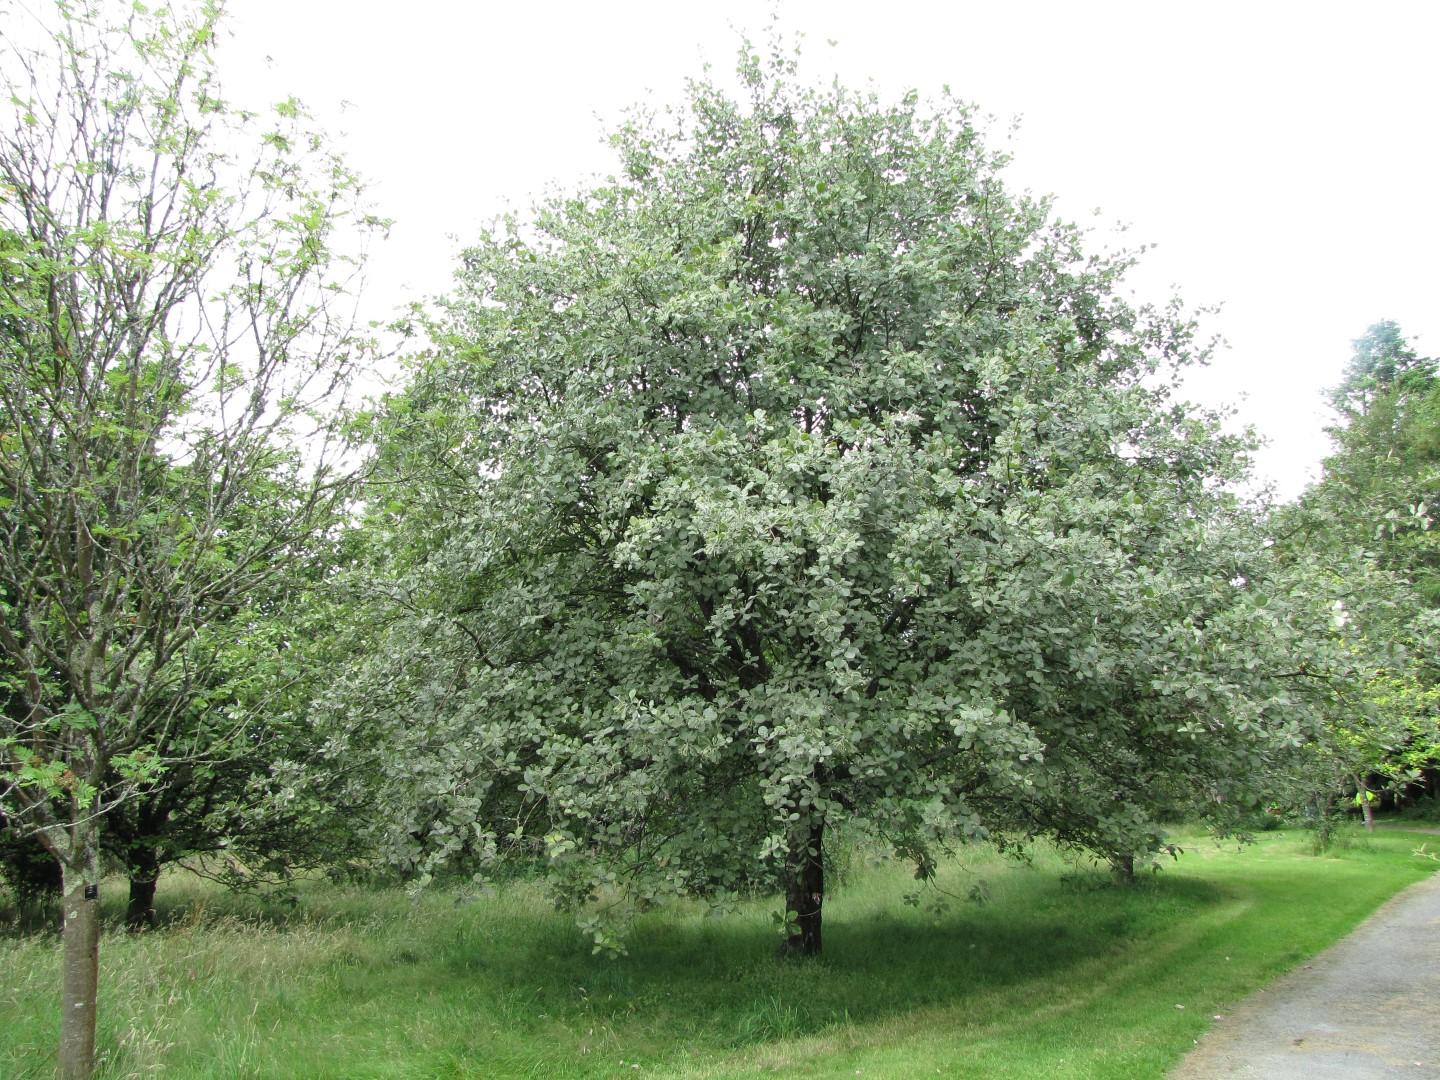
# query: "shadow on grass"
506,984
337,982
718,982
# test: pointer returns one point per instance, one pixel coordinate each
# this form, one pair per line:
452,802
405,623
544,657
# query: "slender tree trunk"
144,872
81,940
805,891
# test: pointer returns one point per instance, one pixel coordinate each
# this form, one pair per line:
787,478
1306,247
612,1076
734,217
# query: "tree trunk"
144,872
1366,799
805,891
81,940
1122,868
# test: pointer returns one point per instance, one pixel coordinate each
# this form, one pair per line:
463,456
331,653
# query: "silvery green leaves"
802,474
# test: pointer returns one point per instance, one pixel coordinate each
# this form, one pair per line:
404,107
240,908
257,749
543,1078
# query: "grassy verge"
1058,975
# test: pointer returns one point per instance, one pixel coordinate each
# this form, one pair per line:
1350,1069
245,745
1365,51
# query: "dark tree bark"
1122,868
805,891
144,872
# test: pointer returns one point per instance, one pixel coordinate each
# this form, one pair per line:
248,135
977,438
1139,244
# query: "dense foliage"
802,474
1383,480
1368,526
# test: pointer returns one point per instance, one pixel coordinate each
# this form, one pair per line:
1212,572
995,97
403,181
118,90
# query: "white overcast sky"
1281,157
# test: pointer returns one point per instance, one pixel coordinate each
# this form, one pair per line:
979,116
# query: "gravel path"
1368,1008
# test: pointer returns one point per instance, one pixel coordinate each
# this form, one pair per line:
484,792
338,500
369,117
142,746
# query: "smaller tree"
239,802
173,338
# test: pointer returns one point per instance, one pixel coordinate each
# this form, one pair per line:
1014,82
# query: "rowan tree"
173,334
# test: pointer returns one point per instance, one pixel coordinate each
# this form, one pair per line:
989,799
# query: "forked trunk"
805,891
81,941
144,872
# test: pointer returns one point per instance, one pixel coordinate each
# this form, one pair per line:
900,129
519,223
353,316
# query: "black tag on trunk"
92,892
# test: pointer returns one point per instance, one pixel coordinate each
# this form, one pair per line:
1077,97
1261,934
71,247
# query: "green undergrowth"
1419,812
1058,974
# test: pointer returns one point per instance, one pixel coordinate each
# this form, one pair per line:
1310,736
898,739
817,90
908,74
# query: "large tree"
803,474
172,335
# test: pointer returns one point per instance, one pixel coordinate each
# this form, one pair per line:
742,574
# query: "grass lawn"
1058,975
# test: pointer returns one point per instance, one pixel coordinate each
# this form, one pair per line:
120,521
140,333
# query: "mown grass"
1058,975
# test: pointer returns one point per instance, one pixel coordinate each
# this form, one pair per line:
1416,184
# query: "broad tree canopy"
802,473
